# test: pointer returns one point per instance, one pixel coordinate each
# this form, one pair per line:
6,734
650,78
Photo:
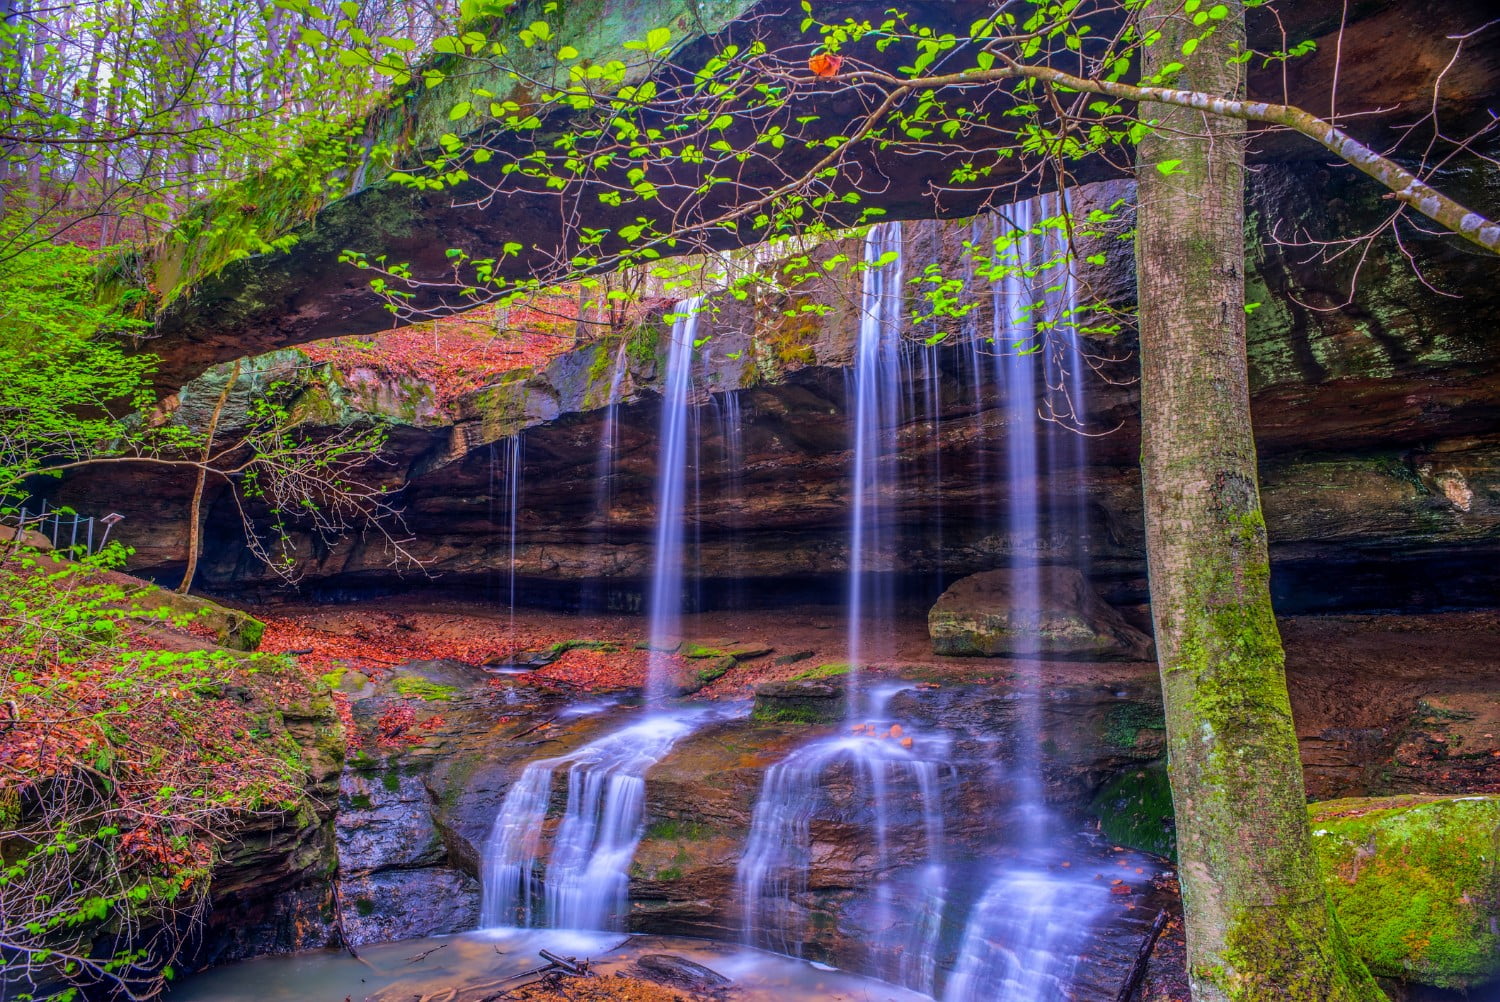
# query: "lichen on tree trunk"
1258,922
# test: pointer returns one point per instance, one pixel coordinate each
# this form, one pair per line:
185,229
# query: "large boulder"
987,615
1416,881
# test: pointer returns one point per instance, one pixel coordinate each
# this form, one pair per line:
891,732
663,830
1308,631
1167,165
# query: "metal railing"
59,524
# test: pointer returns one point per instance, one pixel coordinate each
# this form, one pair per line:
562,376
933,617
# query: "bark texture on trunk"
195,518
1258,921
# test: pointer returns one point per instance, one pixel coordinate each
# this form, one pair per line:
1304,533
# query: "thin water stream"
664,604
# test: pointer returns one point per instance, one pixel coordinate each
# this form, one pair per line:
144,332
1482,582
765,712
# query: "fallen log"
1142,958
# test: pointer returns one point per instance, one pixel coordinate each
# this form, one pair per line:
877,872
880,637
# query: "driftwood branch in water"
426,953
1142,958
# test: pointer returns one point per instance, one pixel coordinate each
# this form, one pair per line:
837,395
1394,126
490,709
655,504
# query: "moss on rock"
1416,882
1135,810
832,670
413,686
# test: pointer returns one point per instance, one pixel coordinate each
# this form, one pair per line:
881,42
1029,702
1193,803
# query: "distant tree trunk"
195,526
1259,925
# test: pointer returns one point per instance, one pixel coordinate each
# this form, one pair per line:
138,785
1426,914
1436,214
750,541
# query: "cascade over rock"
988,615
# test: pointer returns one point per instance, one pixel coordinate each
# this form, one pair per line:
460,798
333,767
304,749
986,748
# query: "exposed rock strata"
1375,422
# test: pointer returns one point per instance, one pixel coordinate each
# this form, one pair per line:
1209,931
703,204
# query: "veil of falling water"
664,604
882,767
878,392
505,469
583,883
1024,938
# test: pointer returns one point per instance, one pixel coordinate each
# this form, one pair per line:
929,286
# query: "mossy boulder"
806,701
1416,881
233,628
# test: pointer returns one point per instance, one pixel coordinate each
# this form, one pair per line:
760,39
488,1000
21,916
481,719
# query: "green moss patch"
415,687
1135,810
1125,722
673,830
833,670
1416,882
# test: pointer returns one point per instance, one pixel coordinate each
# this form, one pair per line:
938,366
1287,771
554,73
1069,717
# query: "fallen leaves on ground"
608,988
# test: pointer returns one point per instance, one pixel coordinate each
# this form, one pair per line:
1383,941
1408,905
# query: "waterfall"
664,606
1018,353
583,884
1025,939
731,431
889,771
878,394
1067,369
505,468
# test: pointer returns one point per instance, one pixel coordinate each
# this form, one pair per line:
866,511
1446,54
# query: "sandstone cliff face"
1375,416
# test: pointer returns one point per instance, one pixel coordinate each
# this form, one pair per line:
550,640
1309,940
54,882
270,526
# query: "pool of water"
413,968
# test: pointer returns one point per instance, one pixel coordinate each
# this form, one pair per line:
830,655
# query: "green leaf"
1169,167
658,38
460,109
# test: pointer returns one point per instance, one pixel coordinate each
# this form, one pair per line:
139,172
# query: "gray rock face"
385,823
988,615
406,904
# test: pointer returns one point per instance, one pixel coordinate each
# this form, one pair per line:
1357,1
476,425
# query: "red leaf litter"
374,643
457,355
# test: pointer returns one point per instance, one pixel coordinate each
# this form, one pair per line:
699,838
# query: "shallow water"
390,973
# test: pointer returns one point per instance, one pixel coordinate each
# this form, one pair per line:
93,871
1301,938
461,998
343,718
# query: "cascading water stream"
887,771
585,880
1025,938
664,605
878,393
1016,356
505,468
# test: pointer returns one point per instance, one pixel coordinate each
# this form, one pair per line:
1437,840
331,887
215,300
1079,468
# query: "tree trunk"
195,527
1258,921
